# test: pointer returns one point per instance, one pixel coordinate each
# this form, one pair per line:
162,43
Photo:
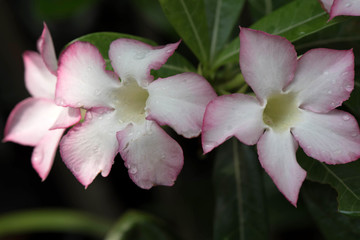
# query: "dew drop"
140,55
77,169
59,101
346,117
37,157
338,151
354,135
162,157
329,92
348,88
96,149
326,73
229,127
97,92
348,5
133,170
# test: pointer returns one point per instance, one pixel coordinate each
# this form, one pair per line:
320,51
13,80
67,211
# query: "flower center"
281,111
130,102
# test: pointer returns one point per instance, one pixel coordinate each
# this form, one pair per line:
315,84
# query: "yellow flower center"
130,102
281,111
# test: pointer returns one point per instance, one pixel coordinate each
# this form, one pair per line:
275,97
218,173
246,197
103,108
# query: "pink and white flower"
341,7
124,116
294,105
37,121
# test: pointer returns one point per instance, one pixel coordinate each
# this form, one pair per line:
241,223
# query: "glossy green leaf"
140,226
52,220
239,194
222,16
102,40
345,178
321,203
188,17
293,21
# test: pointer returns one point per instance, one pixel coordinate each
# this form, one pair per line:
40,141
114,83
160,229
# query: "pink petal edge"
47,50
179,101
133,59
267,62
237,115
150,154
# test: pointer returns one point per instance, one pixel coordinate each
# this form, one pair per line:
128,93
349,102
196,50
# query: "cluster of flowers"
294,105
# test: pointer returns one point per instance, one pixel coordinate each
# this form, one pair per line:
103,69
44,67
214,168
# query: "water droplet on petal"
97,92
346,117
348,88
338,151
348,5
329,92
96,149
37,156
77,169
354,135
133,170
326,73
140,55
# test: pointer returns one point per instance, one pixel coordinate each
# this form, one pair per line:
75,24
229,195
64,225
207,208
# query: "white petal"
332,138
326,4
345,7
30,120
179,101
68,117
82,78
39,81
132,59
324,78
90,147
267,61
47,50
237,115
277,155
152,157
44,152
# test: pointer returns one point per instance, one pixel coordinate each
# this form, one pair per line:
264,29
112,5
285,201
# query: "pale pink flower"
37,121
124,115
341,7
295,104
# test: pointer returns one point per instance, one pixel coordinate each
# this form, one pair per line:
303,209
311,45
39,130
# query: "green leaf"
175,64
222,17
293,21
189,20
52,220
139,226
239,193
321,203
345,178
102,40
